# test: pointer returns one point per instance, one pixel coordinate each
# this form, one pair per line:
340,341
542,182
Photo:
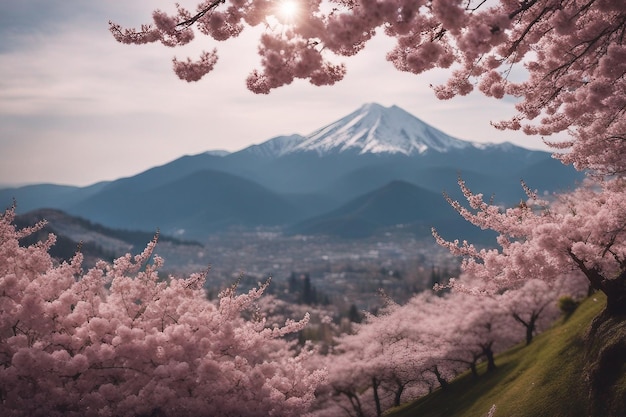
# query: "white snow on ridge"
372,129
218,152
277,146
377,129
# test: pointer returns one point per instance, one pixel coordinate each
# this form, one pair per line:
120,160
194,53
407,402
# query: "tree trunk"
615,290
491,363
354,402
529,335
529,326
474,370
442,381
530,329
375,385
397,399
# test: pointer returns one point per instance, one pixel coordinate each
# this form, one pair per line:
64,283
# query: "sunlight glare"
288,9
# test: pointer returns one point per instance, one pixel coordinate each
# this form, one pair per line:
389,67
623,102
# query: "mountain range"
375,168
95,241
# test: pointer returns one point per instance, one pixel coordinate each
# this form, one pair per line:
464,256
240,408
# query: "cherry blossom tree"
476,329
360,364
535,305
117,340
583,230
371,369
532,306
573,53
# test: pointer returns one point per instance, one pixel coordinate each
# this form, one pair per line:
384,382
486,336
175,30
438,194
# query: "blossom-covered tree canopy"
408,350
118,340
573,52
583,231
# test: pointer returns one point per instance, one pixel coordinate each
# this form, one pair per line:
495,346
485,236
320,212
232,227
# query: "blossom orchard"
408,350
118,340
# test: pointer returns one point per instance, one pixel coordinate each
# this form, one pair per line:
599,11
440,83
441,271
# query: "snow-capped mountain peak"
377,129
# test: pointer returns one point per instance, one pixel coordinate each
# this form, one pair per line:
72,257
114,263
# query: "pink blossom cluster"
120,340
583,231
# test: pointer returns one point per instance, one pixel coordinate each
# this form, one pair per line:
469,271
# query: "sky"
76,107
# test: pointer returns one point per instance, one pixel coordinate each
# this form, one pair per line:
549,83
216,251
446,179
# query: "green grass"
542,379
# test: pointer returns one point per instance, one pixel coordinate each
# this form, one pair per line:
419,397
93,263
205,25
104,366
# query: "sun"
288,9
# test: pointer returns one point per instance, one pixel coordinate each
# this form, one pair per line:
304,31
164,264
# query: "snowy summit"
377,129
372,129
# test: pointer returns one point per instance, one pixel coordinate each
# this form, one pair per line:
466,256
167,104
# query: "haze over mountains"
373,169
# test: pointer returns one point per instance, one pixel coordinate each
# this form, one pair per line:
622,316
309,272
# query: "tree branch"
189,22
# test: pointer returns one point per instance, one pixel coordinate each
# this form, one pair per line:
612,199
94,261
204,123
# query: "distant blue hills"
375,169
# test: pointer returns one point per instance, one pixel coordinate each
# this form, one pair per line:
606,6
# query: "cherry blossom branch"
192,20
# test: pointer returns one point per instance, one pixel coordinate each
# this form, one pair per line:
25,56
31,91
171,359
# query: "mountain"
31,197
371,129
95,241
396,204
320,177
218,152
276,147
376,129
201,202
375,145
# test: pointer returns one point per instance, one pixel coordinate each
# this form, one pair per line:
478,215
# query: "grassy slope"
543,379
